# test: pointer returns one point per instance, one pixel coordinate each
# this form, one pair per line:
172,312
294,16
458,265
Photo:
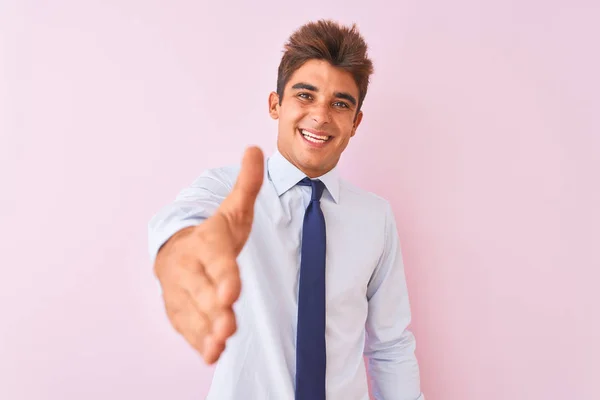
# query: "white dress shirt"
367,301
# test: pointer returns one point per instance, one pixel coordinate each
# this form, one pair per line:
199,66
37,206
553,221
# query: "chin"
313,164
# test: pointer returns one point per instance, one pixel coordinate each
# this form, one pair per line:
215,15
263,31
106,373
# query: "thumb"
247,186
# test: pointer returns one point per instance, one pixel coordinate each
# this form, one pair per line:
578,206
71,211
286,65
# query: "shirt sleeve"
192,205
390,346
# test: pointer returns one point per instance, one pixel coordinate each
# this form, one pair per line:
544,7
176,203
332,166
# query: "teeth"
313,136
312,139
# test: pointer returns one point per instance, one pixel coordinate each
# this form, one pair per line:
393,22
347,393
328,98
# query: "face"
317,116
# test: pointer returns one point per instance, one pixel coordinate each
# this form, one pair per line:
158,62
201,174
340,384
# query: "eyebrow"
312,88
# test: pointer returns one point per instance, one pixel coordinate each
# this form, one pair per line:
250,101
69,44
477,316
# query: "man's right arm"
192,205
200,235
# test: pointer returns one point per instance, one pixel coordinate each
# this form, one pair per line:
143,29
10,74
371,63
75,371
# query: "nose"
320,113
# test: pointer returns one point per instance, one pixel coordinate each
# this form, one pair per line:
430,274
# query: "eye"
304,95
341,104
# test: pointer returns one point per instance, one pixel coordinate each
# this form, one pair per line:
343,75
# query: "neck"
311,173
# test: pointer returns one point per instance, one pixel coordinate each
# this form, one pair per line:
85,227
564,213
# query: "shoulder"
370,208
363,199
372,216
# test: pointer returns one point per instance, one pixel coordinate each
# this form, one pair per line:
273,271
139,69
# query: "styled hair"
341,46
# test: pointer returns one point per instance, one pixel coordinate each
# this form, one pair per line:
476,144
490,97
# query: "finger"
224,325
186,319
247,186
201,290
215,342
223,272
229,288
212,349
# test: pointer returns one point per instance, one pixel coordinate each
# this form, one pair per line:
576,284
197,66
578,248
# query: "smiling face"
317,116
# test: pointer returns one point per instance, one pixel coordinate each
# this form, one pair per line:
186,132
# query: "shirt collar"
285,175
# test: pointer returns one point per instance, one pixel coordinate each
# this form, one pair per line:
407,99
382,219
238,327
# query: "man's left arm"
390,346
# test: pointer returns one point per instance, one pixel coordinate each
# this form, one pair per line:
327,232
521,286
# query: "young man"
296,270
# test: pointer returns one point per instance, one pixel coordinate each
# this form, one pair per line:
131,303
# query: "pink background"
481,126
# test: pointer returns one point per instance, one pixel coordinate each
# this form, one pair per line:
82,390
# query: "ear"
357,121
274,105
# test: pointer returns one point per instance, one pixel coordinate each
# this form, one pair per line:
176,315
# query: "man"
286,274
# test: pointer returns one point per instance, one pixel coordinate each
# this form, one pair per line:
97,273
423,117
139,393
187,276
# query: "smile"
314,138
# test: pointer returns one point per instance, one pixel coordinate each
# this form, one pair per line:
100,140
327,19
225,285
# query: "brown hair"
341,46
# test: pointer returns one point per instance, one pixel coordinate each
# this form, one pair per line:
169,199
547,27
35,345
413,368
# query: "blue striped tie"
310,345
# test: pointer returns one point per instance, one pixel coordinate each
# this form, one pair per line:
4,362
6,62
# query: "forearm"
192,205
390,345
394,370
170,220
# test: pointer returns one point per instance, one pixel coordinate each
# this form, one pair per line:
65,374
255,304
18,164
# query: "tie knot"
317,187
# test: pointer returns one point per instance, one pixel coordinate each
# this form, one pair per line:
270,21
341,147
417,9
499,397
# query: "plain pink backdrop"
481,127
